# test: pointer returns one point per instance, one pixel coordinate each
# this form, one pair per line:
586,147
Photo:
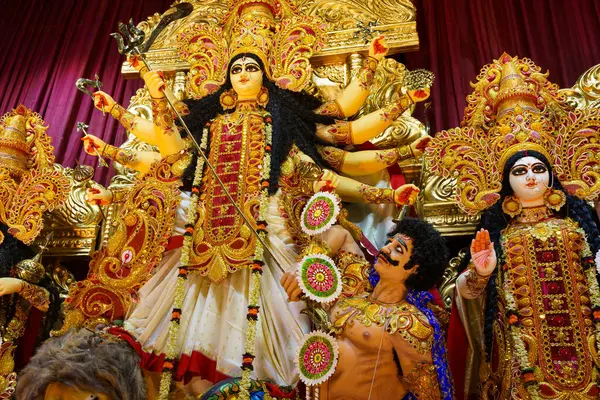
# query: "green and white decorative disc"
320,213
319,278
317,358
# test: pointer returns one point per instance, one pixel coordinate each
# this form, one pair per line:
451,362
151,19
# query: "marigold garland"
253,307
171,351
514,320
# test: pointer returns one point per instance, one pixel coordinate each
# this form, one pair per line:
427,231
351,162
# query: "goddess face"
393,258
246,78
529,178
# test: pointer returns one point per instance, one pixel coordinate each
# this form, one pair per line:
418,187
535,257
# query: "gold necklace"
534,214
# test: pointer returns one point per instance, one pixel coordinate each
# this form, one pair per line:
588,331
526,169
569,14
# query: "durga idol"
198,315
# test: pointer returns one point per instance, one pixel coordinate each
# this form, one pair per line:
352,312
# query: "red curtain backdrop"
47,45
458,37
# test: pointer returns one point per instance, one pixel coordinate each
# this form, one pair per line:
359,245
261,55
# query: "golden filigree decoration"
515,108
33,188
136,246
343,14
462,153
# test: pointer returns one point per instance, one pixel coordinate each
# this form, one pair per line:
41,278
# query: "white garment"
213,319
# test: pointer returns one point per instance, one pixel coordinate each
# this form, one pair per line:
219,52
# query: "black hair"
429,252
12,251
495,221
294,122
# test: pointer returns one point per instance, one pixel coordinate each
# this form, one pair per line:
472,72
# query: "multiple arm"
366,162
140,161
364,128
354,95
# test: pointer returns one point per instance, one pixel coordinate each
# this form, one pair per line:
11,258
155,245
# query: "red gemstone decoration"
554,288
547,256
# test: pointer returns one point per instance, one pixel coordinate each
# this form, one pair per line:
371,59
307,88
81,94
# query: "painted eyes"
522,169
398,248
238,69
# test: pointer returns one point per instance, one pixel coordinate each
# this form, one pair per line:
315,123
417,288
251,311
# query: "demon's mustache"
387,258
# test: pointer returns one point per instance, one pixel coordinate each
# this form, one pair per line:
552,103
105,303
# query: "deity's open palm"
483,253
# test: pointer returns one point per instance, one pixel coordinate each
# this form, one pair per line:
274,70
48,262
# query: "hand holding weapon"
81,127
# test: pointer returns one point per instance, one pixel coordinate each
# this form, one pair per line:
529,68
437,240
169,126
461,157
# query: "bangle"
374,195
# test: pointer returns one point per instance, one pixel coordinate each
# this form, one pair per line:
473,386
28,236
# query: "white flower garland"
192,214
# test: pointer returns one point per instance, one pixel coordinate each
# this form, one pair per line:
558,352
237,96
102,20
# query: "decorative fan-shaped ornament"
320,213
319,278
317,358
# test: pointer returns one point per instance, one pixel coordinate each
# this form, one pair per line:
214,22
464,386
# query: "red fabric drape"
47,45
458,37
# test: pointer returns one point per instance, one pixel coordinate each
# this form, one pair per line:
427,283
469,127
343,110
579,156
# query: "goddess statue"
198,314
529,163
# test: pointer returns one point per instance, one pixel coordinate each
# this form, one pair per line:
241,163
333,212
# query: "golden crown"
515,108
269,29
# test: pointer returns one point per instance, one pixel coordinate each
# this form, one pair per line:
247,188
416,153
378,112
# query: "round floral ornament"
320,213
319,278
317,358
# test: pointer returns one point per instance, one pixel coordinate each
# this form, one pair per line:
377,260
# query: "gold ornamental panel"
351,23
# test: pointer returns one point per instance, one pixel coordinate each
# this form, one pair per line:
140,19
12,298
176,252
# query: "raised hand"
406,194
103,101
419,145
290,284
378,48
93,145
329,180
98,195
10,286
483,254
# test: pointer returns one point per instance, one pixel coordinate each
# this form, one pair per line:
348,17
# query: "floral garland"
514,323
192,215
257,269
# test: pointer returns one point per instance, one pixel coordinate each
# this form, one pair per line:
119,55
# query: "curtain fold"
47,45
458,37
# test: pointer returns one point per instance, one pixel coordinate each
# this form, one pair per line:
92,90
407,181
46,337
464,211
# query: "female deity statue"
198,314
532,260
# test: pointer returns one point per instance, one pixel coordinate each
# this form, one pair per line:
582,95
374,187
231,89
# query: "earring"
263,97
554,199
228,99
511,206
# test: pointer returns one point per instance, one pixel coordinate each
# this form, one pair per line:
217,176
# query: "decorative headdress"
515,108
269,29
